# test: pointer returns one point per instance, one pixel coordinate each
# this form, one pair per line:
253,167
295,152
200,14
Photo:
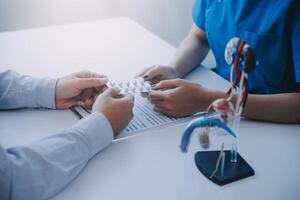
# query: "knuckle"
151,95
178,80
168,97
85,71
171,96
170,106
155,67
154,95
163,82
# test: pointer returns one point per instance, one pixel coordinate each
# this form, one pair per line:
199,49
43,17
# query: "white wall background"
170,19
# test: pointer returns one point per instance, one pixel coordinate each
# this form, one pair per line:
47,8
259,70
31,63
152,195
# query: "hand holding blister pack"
144,116
138,85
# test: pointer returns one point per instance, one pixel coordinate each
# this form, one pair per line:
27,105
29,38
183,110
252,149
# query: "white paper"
144,117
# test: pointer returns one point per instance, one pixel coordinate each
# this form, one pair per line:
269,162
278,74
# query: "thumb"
127,97
84,83
111,92
167,84
127,101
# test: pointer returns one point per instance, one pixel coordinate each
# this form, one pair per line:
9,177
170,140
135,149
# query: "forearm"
284,108
191,52
276,107
18,91
40,170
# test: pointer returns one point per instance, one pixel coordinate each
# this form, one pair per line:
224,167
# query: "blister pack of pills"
138,85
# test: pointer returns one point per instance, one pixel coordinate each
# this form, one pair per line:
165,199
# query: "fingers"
84,83
164,111
157,95
87,93
160,109
111,92
89,74
158,103
101,89
127,100
65,103
127,97
168,84
163,102
89,96
155,80
88,103
152,74
142,72
115,94
164,90
157,73
86,98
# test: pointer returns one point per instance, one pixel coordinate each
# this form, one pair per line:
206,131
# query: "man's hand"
81,88
179,98
157,73
116,108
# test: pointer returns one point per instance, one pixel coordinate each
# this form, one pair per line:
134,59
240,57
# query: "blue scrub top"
271,28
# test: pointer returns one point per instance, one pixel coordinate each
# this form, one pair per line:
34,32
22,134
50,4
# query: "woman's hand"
81,88
179,98
158,73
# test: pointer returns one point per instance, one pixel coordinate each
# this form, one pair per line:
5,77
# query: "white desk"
149,166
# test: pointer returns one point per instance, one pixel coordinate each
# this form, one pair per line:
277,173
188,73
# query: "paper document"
144,117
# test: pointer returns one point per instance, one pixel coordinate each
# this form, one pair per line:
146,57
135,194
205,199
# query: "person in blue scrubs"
271,28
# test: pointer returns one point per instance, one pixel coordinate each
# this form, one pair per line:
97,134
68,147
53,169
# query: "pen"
76,112
85,109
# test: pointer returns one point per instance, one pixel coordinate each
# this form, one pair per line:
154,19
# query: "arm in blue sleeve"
18,91
40,170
